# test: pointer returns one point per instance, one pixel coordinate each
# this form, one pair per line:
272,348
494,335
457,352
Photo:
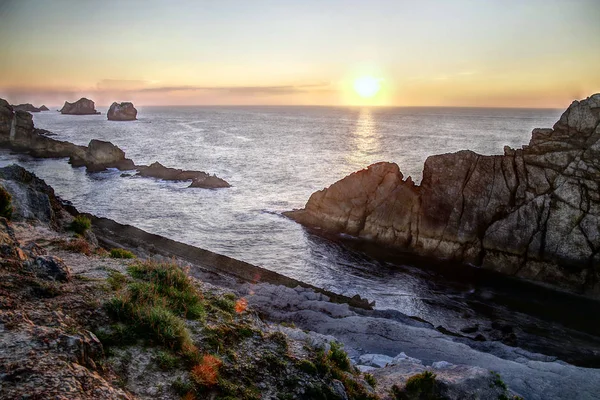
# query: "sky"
494,53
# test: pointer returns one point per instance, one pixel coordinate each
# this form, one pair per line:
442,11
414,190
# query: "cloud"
122,84
245,90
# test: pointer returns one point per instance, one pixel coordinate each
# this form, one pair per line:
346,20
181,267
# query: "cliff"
27,107
122,112
82,106
533,212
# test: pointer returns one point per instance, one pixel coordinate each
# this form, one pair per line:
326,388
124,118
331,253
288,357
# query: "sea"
275,157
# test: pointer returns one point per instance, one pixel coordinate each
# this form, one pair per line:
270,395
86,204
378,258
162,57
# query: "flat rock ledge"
533,213
18,133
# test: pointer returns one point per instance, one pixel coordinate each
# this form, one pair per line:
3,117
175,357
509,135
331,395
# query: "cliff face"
122,112
532,212
82,106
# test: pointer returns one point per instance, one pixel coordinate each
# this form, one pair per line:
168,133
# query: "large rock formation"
26,107
122,112
532,212
82,106
44,108
100,155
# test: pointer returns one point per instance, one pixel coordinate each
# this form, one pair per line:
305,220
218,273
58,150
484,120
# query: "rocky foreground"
79,322
17,132
533,212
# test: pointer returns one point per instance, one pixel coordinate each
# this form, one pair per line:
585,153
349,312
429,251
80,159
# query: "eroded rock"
82,106
532,212
199,178
122,112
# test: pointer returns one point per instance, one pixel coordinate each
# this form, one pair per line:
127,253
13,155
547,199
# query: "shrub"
421,386
206,373
78,245
339,357
308,367
371,380
121,253
5,204
116,280
80,224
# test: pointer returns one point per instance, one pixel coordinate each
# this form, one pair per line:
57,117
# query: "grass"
77,245
370,380
421,386
116,280
121,253
5,204
166,360
80,224
159,303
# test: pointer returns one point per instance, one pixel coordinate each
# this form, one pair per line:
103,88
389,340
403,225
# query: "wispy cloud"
244,90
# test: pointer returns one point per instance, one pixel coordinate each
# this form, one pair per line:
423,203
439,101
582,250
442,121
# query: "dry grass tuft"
206,373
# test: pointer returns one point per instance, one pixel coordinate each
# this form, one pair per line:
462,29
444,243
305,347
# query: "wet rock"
53,268
470,329
122,112
198,178
82,106
533,212
100,155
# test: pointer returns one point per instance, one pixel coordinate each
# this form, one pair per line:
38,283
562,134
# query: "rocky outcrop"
44,108
533,212
100,155
82,106
199,179
122,112
26,107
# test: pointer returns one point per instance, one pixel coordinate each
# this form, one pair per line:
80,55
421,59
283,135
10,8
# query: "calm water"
275,157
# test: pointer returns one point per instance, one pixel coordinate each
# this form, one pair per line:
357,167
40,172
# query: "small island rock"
25,107
122,112
82,106
44,108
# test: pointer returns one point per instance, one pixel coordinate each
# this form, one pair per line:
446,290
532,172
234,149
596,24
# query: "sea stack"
82,106
533,212
122,112
44,108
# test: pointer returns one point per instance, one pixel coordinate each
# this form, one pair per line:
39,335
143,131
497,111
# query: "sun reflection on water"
365,143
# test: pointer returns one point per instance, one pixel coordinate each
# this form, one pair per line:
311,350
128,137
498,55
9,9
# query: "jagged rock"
532,212
82,106
122,112
100,155
26,107
199,179
53,268
375,360
44,108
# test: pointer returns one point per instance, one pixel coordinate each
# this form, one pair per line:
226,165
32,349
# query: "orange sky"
461,53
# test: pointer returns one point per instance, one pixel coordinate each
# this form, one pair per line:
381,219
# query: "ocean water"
274,158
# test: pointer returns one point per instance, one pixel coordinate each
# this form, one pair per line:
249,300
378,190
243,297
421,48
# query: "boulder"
52,268
26,107
82,106
533,212
122,112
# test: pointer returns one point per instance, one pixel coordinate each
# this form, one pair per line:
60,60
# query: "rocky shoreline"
17,133
533,213
391,347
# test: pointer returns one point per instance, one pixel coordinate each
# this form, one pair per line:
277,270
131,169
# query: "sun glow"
367,86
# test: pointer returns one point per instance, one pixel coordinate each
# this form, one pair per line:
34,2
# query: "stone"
122,112
375,360
52,268
532,213
82,106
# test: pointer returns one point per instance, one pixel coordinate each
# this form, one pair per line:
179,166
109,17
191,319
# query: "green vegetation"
497,381
421,386
80,224
5,204
215,338
121,253
370,380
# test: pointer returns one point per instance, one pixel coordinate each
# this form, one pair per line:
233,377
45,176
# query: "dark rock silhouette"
44,108
122,112
82,106
533,212
25,107
199,179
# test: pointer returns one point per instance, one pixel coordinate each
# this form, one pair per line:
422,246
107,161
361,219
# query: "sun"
367,86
